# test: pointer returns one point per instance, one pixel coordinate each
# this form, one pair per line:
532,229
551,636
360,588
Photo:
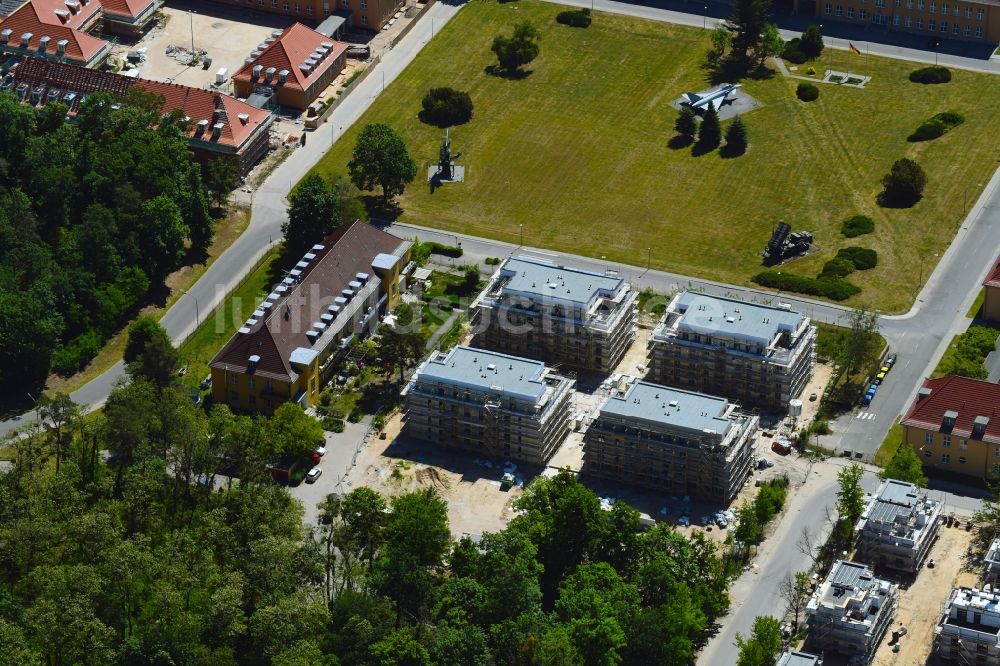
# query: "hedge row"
936,126
446,250
858,225
863,258
933,74
833,288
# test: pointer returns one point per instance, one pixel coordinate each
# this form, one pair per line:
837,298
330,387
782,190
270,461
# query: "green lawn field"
577,152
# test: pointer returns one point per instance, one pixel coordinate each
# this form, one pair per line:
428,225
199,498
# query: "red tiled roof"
80,47
126,7
346,252
195,103
78,13
295,45
200,104
969,398
993,279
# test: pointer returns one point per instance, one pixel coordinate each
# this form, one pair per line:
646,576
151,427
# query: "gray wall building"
991,565
671,440
850,611
898,527
490,404
556,314
758,355
969,630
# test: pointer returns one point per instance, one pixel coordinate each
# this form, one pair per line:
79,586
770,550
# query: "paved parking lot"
227,35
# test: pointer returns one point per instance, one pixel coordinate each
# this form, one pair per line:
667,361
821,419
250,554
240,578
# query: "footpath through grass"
577,152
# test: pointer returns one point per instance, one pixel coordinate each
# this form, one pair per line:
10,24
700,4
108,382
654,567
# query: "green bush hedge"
937,126
793,51
445,107
835,289
837,267
858,225
807,92
76,354
933,74
577,18
863,258
446,250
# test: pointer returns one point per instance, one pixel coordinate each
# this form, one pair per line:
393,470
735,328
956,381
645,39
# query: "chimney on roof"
282,77
26,39
5,35
74,5
63,15
43,43
255,73
61,47
269,74
306,69
244,118
924,392
200,129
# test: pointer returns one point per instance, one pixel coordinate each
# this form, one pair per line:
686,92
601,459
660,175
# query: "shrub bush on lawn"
445,107
811,71
837,267
579,18
792,52
903,185
807,92
835,289
933,74
858,225
936,126
863,258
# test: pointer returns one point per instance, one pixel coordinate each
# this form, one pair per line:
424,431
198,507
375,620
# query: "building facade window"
297,8
945,440
880,19
979,15
968,12
274,4
862,14
920,5
928,438
932,8
931,24
364,19
840,10
954,28
880,3
945,458
961,460
966,31
828,9
909,4
895,20
944,8
909,22
944,26
850,12
979,32
284,5
920,24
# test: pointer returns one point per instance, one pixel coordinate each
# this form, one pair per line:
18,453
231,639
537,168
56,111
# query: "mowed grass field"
578,152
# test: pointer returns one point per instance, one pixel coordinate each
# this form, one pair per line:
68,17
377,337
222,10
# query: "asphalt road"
269,207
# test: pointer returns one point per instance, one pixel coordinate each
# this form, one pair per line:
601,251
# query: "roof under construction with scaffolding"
482,370
659,405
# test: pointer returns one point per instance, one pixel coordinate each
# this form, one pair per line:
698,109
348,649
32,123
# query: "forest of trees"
145,555
94,215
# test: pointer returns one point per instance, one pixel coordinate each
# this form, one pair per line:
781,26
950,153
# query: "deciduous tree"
313,212
763,645
517,50
905,466
380,159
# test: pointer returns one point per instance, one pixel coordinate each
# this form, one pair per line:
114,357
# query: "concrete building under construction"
490,404
758,355
672,441
557,314
969,629
898,527
850,612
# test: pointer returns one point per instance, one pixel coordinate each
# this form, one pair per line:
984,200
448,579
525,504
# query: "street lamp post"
649,257
704,18
197,308
191,17
520,228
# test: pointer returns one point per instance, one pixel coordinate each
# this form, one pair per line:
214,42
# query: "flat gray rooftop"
798,659
668,406
483,370
850,574
713,315
898,492
543,280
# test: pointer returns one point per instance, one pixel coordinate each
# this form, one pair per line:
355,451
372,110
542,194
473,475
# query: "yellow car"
879,377
884,369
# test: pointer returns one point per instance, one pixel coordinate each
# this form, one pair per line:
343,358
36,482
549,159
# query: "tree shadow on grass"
700,148
510,75
380,212
729,70
679,141
728,153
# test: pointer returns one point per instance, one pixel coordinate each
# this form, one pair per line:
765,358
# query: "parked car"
879,378
313,474
321,450
873,388
891,361
867,400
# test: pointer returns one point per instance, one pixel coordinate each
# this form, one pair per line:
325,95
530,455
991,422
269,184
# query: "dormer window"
979,427
948,421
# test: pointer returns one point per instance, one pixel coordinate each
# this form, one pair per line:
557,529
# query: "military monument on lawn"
446,171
